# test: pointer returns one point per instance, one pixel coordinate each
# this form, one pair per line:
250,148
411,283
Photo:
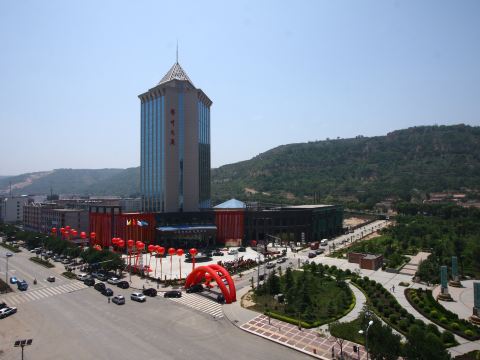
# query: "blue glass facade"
204,154
152,179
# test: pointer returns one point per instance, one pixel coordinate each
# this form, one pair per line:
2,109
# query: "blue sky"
278,72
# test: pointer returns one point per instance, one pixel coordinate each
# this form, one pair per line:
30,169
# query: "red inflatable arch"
218,273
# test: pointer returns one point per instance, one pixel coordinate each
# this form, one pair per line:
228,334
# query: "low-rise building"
366,261
11,208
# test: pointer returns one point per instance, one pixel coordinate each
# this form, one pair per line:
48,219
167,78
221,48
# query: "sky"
278,72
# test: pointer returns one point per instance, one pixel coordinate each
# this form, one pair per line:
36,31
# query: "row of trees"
384,344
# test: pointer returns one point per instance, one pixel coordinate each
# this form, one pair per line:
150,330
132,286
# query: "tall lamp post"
370,323
7,255
23,343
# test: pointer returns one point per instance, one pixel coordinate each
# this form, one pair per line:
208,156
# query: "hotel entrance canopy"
187,229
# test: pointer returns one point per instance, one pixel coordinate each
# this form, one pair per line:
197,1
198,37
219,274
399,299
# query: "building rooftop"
231,204
176,72
307,206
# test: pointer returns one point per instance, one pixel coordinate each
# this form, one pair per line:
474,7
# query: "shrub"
434,314
448,338
403,324
455,326
434,329
443,320
379,286
393,318
348,272
403,283
421,305
468,332
366,279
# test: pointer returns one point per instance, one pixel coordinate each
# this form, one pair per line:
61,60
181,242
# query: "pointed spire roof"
175,73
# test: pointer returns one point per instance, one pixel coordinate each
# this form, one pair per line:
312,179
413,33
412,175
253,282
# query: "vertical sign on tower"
172,127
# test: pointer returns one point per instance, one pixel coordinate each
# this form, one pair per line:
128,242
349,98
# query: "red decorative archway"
218,273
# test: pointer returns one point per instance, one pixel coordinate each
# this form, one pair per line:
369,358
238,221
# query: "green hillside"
402,164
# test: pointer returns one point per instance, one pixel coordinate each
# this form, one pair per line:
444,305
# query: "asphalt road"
83,325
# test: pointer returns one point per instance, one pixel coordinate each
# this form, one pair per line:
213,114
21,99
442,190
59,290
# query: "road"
83,325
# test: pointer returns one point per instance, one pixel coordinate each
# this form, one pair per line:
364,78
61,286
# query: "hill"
403,164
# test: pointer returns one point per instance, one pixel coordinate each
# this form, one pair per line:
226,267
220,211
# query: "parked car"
101,276
51,279
136,296
66,261
90,282
242,249
22,285
172,294
99,286
195,288
281,260
233,252
13,280
123,284
270,265
107,292
56,259
113,280
311,255
220,299
82,276
324,242
217,253
150,292
319,251
119,299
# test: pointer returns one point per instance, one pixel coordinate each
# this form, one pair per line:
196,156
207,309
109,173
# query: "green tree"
422,344
383,344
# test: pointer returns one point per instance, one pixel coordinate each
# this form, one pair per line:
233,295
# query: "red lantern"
171,251
93,235
62,230
161,250
130,243
74,232
54,230
140,245
67,228
151,248
83,235
193,251
180,252
114,241
121,243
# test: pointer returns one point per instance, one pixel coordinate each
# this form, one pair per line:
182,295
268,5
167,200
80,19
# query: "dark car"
172,294
150,292
312,255
241,249
319,251
91,282
99,286
107,292
217,253
51,279
195,288
220,299
3,305
123,284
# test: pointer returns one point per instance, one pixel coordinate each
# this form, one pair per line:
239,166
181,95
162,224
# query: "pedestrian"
393,288
109,299
333,351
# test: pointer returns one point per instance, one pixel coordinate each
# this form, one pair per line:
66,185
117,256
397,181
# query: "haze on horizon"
277,73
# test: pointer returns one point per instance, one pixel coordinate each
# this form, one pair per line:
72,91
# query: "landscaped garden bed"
310,297
387,307
12,248
42,262
425,304
69,275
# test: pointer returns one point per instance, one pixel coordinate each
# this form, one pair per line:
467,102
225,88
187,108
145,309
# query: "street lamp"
370,323
7,255
23,343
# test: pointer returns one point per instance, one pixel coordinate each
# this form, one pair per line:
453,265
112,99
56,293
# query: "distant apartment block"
11,208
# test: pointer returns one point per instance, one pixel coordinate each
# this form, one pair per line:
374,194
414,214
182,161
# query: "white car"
113,280
138,297
82,276
233,252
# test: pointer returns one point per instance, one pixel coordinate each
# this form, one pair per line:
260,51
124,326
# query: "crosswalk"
20,298
201,303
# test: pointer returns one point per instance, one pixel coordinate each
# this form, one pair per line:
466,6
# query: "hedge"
425,304
69,275
13,248
39,261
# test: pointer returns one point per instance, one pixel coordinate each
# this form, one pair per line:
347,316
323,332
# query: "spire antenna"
177,51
